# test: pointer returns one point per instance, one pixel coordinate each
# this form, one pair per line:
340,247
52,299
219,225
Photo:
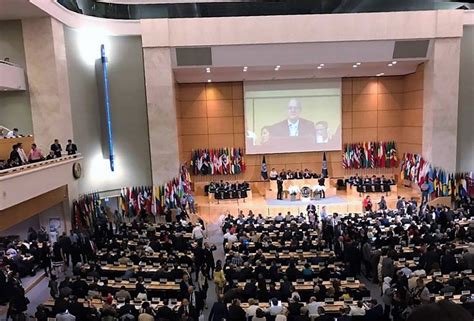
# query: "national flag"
324,170
263,170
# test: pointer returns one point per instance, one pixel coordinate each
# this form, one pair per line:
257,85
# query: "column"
162,119
440,111
48,81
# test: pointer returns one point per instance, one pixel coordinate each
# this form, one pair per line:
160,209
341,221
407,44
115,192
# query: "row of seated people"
289,174
226,190
434,242
370,184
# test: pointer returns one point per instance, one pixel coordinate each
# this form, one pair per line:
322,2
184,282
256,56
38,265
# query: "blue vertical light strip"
107,107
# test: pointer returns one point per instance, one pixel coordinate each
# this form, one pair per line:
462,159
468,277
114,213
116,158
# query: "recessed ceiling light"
277,68
390,65
209,80
358,63
319,67
245,68
208,70
394,62
354,66
380,74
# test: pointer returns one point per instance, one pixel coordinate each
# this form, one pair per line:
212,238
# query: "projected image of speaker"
293,116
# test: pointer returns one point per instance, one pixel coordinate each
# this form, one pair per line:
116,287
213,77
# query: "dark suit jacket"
71,149
192,312
281,129
56,148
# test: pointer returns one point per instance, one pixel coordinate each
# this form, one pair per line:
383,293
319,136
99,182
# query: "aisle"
215,237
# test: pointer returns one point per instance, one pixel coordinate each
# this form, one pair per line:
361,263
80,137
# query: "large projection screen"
284,116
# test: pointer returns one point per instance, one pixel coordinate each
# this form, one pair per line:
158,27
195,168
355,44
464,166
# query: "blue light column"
107,107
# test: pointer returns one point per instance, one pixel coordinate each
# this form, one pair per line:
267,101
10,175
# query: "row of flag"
86,210
218,161
436,181
370,155
151,200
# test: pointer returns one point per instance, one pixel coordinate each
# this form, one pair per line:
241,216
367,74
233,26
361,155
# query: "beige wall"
373,109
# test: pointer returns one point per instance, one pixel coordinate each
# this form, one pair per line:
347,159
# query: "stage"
338,202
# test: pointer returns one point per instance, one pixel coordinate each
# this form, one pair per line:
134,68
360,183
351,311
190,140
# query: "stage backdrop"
373,109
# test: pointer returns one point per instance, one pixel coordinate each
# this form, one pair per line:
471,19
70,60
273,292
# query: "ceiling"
223,74
296,61
19,9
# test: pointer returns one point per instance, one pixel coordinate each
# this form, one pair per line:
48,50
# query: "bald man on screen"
294,125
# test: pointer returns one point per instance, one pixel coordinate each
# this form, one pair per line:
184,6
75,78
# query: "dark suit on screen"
305,129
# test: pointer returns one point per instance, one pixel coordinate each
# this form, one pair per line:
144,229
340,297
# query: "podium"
303,185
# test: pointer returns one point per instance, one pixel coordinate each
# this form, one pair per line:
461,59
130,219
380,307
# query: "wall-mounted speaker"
410,49
201,56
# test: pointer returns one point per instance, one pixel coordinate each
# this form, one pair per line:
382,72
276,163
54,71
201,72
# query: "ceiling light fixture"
277,68
358,63
208,70
394,62
245,68
390,65
321,65
209,80
380,74
354,66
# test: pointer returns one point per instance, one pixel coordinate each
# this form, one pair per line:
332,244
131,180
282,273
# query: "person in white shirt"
232,238
275,307
252,309
198,234
273,174
12,133
21,152
358,310
313,306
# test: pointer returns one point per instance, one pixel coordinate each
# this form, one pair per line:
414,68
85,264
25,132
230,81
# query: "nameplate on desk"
155,300
132,280
329,300
326,250
350,279
142,264
177,280
467,271
402,259
467,292
411,245
448,295
437,274
416,258
156,264
299,280
313,250
147,280
272,251
163,280
286,251
366,298
116,263
299,251
118,279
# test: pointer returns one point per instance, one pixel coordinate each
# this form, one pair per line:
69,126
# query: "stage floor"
341,203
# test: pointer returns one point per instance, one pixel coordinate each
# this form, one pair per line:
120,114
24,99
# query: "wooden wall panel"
374,109
219,108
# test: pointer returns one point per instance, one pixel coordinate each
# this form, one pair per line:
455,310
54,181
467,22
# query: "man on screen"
293,126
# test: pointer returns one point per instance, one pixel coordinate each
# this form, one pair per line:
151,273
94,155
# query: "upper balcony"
12,77
20,184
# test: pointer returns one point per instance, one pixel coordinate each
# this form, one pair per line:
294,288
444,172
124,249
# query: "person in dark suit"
279,188
164,313
294,125
219,310
71,148
56,148
187,310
